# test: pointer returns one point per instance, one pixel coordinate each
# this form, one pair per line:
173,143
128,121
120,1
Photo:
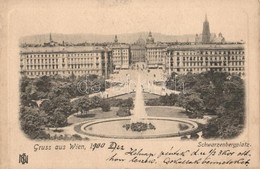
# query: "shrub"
76,137
105,106
139,126
183,126
123,112
115,102
153,102
194,136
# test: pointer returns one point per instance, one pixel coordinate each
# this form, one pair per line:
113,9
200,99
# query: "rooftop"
157,45
206,46
69,49
118,45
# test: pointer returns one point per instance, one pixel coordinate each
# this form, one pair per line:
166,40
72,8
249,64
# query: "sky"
128,16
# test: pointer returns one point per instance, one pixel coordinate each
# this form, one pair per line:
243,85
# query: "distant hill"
98,38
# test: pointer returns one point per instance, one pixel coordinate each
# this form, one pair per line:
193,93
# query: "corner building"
155,55
65,61
206,57
120,55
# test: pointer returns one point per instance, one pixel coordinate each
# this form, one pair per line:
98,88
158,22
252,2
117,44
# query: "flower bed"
139,126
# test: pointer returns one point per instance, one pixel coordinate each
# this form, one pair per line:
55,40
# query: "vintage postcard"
129,84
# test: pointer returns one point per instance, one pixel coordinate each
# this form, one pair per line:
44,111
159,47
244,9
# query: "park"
133,104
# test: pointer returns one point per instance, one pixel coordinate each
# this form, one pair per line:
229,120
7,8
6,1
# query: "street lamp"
105,81
183,85
175,81
128,82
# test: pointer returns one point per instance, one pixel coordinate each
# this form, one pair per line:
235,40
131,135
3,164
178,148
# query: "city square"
191,90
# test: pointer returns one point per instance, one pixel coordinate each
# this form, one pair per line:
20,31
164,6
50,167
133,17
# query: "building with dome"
150,39
209,52
120,55
154,54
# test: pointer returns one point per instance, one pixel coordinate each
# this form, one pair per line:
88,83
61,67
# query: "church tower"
50,38
116,40
206,31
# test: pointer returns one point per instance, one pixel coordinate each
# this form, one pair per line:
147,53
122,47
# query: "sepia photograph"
137,84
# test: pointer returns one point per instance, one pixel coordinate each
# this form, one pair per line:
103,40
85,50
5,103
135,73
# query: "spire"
50,38
116,40
206,31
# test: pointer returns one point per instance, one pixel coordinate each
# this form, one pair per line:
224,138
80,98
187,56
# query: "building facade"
120,55
206,57
154,55
138,51
65,61
207,52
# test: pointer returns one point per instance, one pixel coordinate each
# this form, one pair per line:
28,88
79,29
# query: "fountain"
139,125
139,121
139,113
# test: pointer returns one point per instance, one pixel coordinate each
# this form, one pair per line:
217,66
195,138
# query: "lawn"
165,111
155,111
94,114
132,95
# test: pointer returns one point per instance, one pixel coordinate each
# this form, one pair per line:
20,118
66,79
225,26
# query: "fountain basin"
165,127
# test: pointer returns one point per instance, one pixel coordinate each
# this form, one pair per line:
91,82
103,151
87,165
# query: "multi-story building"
120,55
154,55
207,52
204,57
138,51
65,61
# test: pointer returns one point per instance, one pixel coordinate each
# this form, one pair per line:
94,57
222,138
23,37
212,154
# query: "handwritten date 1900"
94,146
112,146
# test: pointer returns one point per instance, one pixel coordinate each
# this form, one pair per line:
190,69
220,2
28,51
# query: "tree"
95,102
105,106
24,82
47,107
26,100
58,119
129,103
193,104
168,100
43,83
33,122
63,103
229,93
84,105
72,77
